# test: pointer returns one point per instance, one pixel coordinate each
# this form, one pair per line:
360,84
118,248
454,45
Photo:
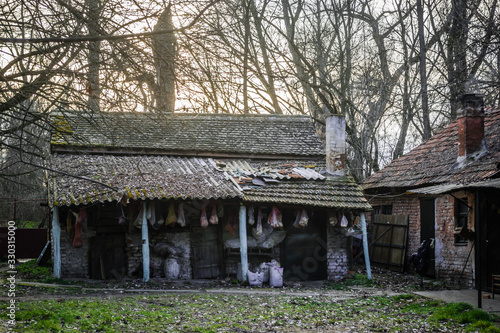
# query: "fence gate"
389,241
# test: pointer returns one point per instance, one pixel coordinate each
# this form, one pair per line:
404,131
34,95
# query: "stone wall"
450,258
75,261
133,253
181,241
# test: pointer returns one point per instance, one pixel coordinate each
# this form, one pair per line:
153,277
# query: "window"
461,219
382,209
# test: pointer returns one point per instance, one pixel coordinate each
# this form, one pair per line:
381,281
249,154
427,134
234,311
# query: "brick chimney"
335,145
471,142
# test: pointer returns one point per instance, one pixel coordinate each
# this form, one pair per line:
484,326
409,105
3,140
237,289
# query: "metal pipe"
145,244
56,238
243,241
365,246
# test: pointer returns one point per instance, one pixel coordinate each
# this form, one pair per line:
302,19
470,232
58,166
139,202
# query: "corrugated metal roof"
84,179
273,169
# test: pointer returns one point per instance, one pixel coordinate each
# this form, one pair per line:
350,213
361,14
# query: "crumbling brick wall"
337,255
450,258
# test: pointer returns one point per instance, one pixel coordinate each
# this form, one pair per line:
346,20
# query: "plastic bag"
276,276
203,218
213,218
180,215
343,222
332,218
251,216
251,242
275,218
121,214
302,219
255,279
171,217
151,213
80,221
232,243
258,228
172,269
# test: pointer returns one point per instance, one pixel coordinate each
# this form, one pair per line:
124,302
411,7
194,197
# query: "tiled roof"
184,133
262,159
108,177
432,162
339,193
294,183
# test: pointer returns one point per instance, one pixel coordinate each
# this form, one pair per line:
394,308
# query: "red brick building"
449,187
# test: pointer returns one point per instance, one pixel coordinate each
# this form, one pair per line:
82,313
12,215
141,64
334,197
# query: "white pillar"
365,247
145,244
56,239
243,241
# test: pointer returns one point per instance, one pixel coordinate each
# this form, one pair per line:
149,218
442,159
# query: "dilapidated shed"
449,189
186,196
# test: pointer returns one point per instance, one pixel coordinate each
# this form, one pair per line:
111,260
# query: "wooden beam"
56,238
243,242
145,244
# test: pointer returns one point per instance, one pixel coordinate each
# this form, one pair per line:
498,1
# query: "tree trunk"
164,52
93,84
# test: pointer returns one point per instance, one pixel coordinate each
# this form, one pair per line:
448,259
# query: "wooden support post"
56,238
365,247
145,244
243,242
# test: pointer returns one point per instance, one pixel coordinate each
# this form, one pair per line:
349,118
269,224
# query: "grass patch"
356,280
202,312
31,270
462,313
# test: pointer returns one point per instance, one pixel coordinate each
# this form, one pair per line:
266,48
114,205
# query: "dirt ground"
383,281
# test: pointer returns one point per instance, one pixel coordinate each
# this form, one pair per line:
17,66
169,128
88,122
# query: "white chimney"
335,145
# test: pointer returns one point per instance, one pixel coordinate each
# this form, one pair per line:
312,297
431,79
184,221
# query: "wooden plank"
390,240
206,252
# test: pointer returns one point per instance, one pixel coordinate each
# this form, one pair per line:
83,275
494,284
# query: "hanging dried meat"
213,218
203,218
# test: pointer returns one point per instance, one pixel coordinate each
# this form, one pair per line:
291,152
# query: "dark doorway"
428,229
303,252
107,253
489,218
207,252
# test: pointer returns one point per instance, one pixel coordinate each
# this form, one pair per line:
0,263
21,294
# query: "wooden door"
389,241
489,219
207,252
428,228
107,253
303,253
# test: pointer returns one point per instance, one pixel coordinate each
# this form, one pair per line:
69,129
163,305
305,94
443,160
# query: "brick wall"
337,254
450,258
